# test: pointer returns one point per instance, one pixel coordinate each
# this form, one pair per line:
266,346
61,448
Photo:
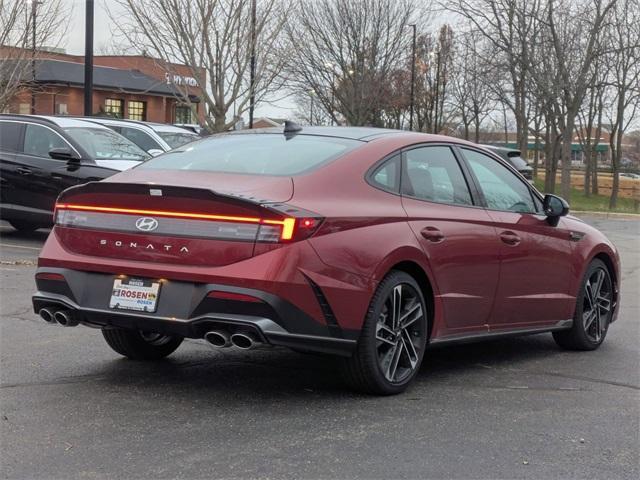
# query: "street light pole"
413,76
34,10
252,66
435,123
88,59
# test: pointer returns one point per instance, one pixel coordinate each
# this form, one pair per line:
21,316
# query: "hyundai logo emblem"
146,224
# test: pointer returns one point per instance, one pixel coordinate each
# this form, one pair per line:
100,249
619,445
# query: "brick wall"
159,109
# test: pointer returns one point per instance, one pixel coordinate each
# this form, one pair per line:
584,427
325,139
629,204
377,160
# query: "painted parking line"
19,246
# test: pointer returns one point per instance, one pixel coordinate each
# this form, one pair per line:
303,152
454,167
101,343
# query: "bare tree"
19,50
624,70
509,25
346,51
213,39
590,127
573,33
435,107
309,111
471,80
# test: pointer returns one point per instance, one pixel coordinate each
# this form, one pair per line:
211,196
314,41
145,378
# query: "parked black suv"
42,156
514,157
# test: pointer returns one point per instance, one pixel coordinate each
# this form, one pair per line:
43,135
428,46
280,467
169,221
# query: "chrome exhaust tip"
66,318
218,338
47,315
243,341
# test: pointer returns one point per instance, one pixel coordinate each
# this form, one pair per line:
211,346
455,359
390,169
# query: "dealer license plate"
135,294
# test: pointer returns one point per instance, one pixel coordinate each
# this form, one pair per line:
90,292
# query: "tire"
23,226
370,369
590,324
138,345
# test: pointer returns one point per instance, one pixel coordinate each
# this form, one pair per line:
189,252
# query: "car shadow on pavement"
272,374
9,233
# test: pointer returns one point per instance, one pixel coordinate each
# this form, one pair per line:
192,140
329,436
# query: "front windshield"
177,139
105,144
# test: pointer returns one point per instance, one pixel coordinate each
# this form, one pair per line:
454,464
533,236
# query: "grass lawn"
594,203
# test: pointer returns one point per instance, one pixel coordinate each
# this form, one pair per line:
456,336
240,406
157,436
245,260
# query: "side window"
38,140
9,135
502,189
538,204
140,138
387,176
433,174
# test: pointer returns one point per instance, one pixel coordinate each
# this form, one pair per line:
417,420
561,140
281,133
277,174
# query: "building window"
184,114
62,109
113,107
137,110
24,108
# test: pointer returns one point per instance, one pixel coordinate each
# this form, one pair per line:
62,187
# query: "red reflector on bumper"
50,276
238,297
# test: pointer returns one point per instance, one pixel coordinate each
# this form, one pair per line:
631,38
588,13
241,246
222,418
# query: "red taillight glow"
238,297
287,224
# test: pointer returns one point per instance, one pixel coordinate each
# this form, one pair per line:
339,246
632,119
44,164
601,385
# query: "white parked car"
154,138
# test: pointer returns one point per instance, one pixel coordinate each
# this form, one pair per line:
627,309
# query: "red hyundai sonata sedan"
364,243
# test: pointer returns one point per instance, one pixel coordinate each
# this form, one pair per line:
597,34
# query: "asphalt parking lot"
520,408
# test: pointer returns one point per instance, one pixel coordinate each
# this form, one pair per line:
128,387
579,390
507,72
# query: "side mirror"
554,208
154,152
62,154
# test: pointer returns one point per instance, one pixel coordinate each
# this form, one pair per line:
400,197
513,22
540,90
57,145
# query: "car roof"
354,133
158,127
62,122
161,127
499,148
110,121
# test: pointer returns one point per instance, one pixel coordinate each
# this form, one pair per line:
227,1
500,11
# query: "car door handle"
432,234
24,171
510,238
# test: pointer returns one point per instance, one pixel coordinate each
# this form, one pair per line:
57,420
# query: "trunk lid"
265,188
200,219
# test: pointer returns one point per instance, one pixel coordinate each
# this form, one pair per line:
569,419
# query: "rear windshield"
105,144
177,139
270,154
516,160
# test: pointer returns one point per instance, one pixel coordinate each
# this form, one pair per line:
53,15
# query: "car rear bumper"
186,309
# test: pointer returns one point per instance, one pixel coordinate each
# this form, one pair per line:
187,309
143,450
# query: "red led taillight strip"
288,224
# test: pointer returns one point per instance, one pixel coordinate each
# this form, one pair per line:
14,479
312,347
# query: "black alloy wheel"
593,311
393,339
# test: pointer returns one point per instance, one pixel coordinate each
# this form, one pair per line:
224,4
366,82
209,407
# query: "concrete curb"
634,216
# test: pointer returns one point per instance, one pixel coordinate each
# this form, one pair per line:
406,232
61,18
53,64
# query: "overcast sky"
74,43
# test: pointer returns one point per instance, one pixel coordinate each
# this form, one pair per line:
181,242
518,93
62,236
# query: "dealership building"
134,87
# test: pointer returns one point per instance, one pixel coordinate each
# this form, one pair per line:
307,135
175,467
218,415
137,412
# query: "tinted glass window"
517,161
271,154
9,135
387,176
432,173
38,140
502,189
105,144
177,139
140,138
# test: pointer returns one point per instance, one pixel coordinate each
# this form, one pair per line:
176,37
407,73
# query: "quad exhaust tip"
65,318
47,315
244,341
218,338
